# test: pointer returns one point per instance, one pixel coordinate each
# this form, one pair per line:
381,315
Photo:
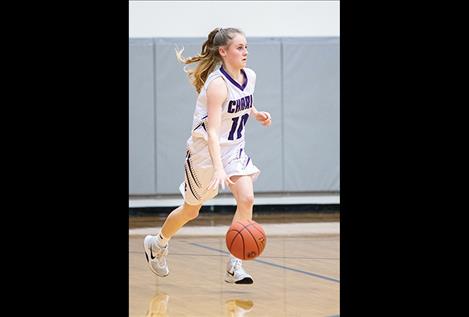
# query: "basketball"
245,239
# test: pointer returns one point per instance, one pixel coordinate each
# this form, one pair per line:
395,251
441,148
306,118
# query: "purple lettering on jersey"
238,103
230,106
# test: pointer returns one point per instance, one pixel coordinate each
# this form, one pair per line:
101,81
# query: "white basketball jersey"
235,114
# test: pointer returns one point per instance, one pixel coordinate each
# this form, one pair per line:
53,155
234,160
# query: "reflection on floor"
158,306
238,307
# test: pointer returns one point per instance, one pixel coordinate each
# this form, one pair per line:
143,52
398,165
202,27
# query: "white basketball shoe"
156,256
236,274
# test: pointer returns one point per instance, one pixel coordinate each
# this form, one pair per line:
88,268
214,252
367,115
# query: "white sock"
233,259
161,240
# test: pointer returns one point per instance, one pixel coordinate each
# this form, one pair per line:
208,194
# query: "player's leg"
178,218
156,247
243,193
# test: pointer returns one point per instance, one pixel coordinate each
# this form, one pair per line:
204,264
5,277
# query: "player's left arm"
262,116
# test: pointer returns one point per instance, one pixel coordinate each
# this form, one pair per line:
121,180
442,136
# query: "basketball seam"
233,240
244,227
263,234
258,250
239,232
244,247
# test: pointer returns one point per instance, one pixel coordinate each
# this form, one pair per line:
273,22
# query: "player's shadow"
158,306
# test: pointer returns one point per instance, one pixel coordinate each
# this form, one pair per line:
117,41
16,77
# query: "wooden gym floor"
297,275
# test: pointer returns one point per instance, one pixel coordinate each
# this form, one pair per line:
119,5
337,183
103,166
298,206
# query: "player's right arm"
217,93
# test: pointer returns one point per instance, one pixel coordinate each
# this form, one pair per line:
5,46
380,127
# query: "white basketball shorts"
195,190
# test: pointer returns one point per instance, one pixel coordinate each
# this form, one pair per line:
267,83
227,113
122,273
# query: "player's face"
237,52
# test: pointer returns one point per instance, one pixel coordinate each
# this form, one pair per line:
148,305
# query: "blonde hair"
209,57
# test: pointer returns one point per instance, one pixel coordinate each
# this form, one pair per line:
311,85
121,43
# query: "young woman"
215,150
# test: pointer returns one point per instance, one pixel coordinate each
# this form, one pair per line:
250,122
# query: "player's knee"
246,201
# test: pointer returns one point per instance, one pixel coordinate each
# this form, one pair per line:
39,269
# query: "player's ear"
222,51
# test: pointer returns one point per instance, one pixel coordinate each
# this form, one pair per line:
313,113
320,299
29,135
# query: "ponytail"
208,58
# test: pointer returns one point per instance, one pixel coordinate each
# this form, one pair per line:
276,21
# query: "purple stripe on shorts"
192,171
190,186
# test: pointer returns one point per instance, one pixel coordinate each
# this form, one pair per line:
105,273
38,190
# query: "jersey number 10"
242,123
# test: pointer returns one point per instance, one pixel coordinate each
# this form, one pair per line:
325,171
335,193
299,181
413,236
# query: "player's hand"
219,178
264,118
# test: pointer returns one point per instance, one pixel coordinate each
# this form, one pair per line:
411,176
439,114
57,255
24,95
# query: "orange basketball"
245,239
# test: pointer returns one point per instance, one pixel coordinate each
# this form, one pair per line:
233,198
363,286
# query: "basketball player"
215,150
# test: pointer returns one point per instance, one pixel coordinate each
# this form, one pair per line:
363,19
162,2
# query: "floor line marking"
272,264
